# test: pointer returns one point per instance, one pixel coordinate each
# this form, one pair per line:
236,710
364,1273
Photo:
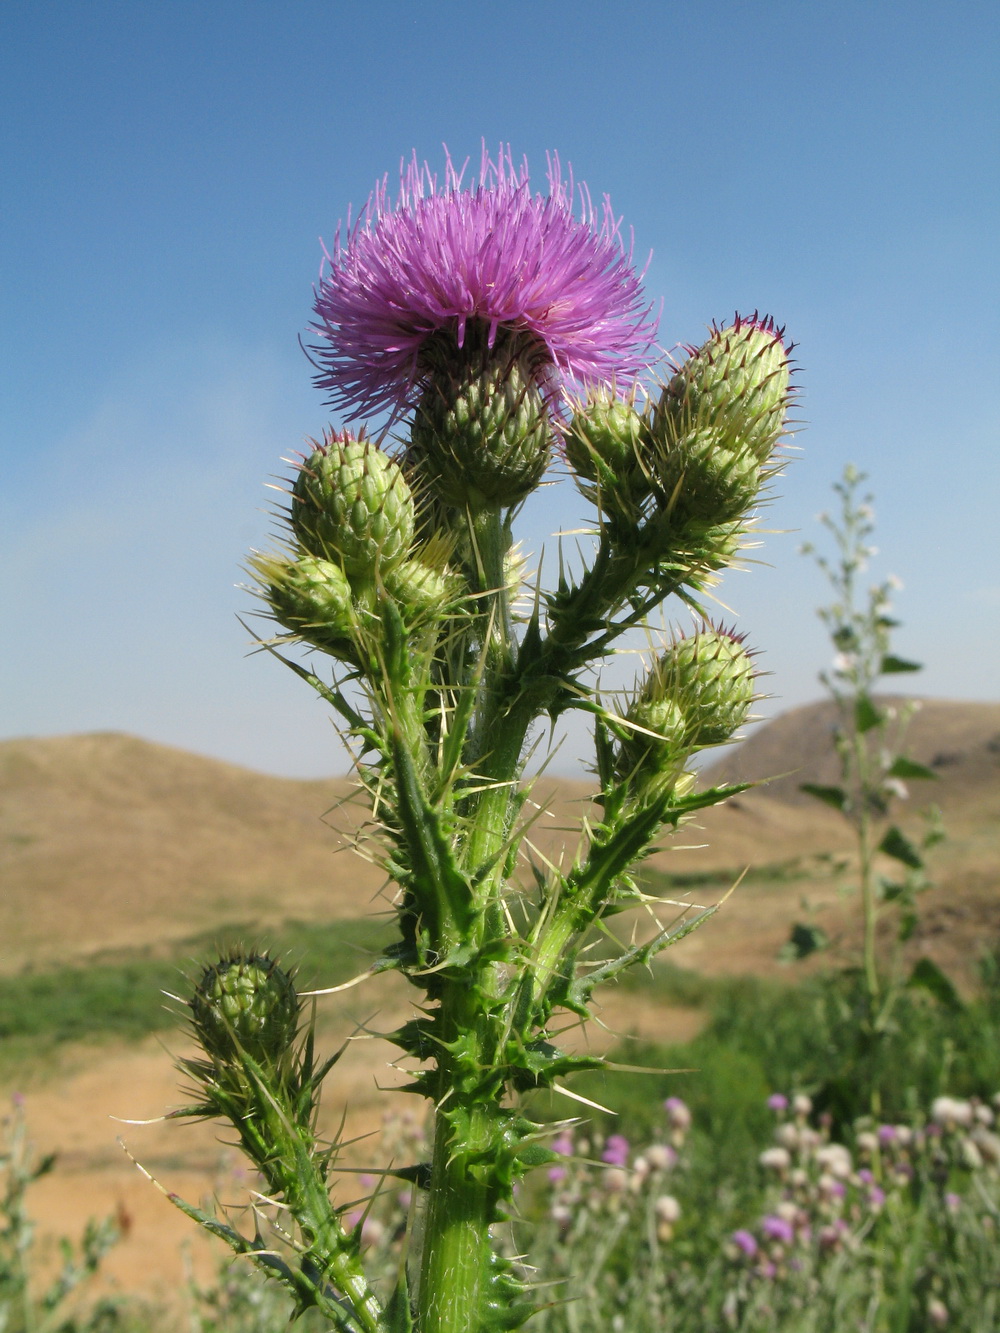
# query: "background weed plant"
501,331
874,769
33,1300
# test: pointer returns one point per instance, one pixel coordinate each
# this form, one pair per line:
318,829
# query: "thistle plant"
505,335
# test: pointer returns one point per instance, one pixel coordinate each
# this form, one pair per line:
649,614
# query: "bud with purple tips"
697,694
736,386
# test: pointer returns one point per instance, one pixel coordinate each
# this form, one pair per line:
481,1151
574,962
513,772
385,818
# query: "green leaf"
890,890
845,638
908,768
866,715
926,975
907,925
835,796
892,665
803,941
900,848
398,1315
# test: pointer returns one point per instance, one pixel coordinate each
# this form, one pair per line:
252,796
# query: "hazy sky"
169,168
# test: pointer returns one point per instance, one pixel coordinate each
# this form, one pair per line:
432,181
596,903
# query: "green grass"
122,996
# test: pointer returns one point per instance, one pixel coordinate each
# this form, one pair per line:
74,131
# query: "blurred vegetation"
127,996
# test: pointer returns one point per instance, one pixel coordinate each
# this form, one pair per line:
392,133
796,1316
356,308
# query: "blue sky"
167,172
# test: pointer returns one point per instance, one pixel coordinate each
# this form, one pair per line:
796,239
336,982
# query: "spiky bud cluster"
420,587
351,505
246,1005
482,427
605,439
737,385
697,694
718,420
310,597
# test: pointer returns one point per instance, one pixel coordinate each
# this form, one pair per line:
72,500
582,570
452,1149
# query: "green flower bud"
482,425
246,1004
697,694
351,504
422,591
605,443
701,478
310,597
738,382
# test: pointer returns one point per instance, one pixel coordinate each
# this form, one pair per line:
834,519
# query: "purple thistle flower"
745,1241
778,1228
778,1102
445,258
616,1150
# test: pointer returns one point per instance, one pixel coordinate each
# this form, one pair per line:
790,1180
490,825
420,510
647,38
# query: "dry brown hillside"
107,841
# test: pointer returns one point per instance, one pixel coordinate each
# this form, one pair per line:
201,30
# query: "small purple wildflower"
865,1176
563,1144
557,1173
745,1241
677,1113
778,1228
616,1150
887,1134
445,257
778,1102
876,1197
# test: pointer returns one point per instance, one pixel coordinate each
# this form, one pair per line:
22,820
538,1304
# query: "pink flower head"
745,1241
616,1150
678,1114
778,1228
445,257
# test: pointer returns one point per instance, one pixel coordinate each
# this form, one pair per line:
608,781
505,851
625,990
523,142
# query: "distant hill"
959,741
110,842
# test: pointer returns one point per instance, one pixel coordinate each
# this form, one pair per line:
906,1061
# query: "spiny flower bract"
447,256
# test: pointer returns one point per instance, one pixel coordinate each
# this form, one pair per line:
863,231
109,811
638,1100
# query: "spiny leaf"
398,1315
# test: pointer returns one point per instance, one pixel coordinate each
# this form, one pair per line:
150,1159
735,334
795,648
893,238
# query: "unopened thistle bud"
482,425
697,694
737,383
310,597
421,590
246,1004
701,478
351,504
605,443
